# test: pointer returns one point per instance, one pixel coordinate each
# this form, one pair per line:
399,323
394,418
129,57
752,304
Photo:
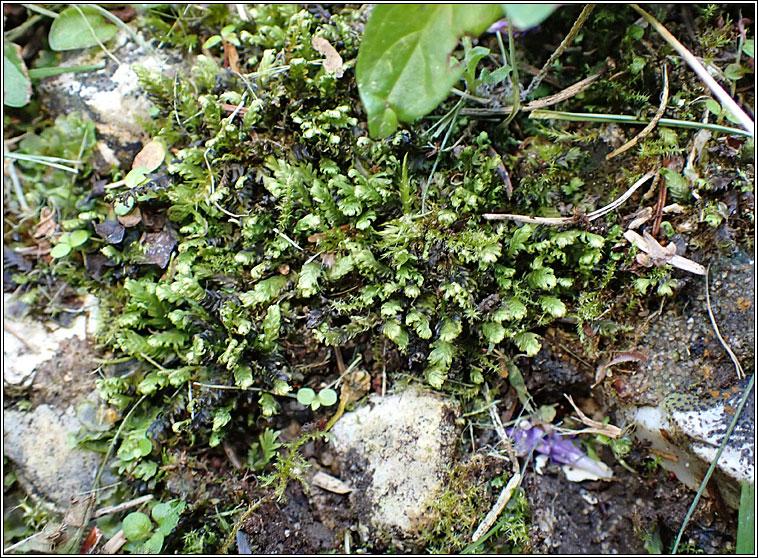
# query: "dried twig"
735,360
122,506
586,11
602,371
726,100
558,221
649,128
494,513
600,428
567,93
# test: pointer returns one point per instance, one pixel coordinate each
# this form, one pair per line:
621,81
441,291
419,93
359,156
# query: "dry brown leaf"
659,255
332,59
131,219
230,51
330,483
47,225
150,157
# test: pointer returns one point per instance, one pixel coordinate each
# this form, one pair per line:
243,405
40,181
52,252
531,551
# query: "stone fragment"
394,453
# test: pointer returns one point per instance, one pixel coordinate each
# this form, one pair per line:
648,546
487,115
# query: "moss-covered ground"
277,240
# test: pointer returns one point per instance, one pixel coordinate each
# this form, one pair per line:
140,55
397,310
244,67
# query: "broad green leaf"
122,208
435,376
527,341
269,406
404,65
391,308
78,238
553,306
396,332
516,379
243,376
442,354
135,177
512,309
524,16
264,291
734,72
450,329
307,283
60,250
137,526
153,545
678,186
221,418
420,323
17,89
493,331
749,48
519,238
212,41
71,31
713,106
542,278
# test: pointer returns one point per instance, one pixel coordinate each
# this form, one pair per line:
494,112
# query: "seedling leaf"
328,397
305,396
137,526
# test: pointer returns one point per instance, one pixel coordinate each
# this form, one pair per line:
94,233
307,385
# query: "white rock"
395,452
28,343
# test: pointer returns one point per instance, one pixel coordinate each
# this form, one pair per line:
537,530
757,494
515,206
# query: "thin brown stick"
558,221
586,11
723,96
649,128
18,336
658,211
122,506
567,93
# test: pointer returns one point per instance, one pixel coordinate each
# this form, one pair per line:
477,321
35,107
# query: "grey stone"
111,97
38,442
394,453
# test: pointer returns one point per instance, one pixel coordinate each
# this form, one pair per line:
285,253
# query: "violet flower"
559,449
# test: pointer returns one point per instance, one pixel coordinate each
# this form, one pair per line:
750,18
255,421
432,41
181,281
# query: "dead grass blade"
649,128
723,96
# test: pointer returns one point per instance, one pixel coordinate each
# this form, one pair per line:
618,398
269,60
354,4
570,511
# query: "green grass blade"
746,521
627,119
708,473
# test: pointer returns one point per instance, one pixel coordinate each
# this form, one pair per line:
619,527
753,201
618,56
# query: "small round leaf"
60,250
135,177
78,238
137,526
145,446
305,396
327,397
122,208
